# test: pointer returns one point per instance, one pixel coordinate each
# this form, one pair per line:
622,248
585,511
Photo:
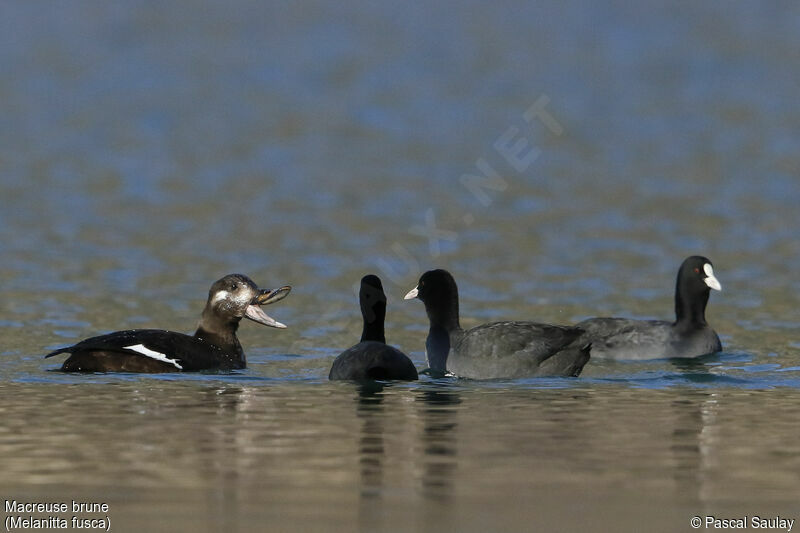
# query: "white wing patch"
142,349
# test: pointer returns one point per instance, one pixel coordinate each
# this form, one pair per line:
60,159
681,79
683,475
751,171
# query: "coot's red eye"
696,270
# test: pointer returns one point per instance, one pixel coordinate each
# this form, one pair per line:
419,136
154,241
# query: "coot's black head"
697,275
438,291
372,300
695,281
236,296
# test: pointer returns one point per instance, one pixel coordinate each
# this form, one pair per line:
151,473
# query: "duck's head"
236,296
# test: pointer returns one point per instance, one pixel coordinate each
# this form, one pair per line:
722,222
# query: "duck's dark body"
214,346
112,353
497,350
372,358
689,336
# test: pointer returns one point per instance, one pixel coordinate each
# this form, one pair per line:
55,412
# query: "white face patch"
142,349
221,295
413,293
710,280
241,298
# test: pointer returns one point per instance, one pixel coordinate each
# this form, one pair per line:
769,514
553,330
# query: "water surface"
149,149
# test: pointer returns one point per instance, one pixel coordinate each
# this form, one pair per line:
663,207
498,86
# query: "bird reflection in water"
431,453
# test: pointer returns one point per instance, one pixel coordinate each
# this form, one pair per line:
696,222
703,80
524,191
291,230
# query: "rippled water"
148,149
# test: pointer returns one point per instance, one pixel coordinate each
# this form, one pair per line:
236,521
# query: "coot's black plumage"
372,358
496,350
214,346
689,336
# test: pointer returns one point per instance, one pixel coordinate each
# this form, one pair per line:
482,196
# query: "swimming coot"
689,336
372,358
495,350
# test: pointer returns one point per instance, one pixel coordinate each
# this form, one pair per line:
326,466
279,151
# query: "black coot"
689,336
372,358
496,350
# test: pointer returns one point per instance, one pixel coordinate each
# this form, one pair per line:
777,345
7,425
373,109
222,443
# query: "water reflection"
438,410
224,444
375,453
371,444
371,453
693,364
426,449
686,446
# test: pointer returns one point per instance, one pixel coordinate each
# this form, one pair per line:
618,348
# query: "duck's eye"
696,270
234,287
